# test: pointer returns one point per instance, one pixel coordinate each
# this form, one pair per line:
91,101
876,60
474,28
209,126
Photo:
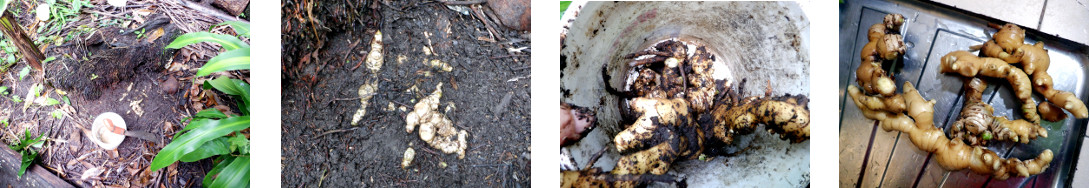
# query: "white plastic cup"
102,136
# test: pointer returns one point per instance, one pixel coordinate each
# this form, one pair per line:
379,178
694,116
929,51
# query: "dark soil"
488,89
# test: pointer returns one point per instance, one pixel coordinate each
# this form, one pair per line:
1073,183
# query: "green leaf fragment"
24,72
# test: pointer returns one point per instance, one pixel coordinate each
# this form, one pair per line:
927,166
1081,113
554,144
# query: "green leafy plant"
210,132
140,33
28,146
236,55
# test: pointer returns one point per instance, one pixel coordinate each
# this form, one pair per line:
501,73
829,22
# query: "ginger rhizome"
884,44
952,155
1008,44
909,113
435,128
665,131
673,111
976,126
969,65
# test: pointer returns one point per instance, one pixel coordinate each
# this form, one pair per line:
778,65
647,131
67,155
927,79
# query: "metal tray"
871,157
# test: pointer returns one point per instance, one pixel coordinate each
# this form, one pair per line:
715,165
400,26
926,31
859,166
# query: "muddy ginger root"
950,154
435,127
374,57
786,115
969,65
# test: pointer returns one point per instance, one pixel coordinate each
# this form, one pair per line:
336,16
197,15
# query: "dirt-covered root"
594,177
954,155
894,21
653,160
656,124
701,83
786,115
435,127
969,65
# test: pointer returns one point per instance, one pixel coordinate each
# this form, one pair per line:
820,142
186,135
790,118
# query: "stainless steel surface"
870,156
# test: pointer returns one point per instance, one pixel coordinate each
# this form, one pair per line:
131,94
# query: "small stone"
514,14
170,86
234,7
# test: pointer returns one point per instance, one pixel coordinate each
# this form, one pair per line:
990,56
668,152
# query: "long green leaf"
215,147
224,160
242,28
210,113
227,85
204,132
232,87
230,60
228,42
237,174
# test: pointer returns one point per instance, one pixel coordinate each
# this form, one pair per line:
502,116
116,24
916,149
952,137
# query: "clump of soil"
113,55
487,92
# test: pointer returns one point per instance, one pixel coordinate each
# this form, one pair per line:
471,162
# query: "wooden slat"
35,176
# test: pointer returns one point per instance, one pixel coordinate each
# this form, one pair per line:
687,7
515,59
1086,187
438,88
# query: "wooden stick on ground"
11,28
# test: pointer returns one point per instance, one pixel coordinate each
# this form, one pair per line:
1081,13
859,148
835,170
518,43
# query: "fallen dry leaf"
91,173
